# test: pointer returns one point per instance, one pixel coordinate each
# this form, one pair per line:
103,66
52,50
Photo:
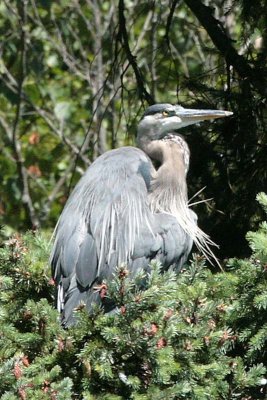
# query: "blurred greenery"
68,92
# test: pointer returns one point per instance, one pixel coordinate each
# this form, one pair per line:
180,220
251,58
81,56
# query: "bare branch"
224,44
22,171
169,20
123,38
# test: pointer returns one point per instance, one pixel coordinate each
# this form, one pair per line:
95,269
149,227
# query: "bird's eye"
165,113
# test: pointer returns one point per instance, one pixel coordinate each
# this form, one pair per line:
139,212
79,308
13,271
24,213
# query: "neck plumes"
168,191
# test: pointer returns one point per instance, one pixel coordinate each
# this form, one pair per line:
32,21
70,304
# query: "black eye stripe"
156,109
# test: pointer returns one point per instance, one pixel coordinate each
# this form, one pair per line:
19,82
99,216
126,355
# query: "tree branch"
123,38
223,43
22,171
169,21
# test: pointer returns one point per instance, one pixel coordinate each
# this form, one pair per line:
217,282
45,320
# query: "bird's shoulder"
125,157
117,168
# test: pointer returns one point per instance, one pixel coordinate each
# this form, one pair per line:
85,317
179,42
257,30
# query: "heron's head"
160,119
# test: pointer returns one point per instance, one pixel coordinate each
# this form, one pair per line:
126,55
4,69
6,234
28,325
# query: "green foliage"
196,336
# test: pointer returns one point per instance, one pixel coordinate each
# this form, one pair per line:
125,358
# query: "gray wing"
106,222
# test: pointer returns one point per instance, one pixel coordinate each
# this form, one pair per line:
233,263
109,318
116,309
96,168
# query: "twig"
197,193
200,201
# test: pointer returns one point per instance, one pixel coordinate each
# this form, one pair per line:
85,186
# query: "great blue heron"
126,211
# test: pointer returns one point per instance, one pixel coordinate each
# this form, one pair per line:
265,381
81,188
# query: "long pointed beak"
190,116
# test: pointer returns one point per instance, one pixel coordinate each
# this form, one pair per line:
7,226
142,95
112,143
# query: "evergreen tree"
198,335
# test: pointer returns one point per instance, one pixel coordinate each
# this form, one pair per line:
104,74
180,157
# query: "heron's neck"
168,188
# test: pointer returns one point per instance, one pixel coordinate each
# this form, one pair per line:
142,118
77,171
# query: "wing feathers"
87,262
106,222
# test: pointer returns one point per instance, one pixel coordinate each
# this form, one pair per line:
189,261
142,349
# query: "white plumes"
173,201
60,298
